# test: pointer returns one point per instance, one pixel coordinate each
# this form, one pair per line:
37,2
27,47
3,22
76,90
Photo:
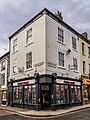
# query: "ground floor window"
62,94
86,89
17,94
75,94
30,94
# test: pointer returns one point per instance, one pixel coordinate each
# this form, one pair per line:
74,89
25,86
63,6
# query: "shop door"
45,96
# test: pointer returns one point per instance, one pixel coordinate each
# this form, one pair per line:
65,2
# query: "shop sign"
45,87
86,81
51,64
72,83
25,83
38,64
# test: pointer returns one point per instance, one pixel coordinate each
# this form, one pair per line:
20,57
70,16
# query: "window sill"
28,69
75,71
29,44
14,73
61,43
62,67
15,52
74,50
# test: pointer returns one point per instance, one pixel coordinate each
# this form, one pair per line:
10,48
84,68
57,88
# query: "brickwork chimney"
85,35
59,15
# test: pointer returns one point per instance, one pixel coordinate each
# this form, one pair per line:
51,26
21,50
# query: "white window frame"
75,64
14,68
28,61
29,36
3,65
74,43
15,45
62,59
61,35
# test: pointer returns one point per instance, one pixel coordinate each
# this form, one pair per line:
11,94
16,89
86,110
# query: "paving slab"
44,113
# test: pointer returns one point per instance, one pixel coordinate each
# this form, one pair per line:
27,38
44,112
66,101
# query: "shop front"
45,92
86,90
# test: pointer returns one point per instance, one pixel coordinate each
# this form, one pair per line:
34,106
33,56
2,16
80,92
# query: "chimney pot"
85,35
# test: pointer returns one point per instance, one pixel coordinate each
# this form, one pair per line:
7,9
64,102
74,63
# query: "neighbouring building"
45,64
85,67
4,77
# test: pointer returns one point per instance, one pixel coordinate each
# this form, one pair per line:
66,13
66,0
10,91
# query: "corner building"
44,64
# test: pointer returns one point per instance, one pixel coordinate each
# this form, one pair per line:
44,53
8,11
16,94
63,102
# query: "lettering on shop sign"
38,64
51,64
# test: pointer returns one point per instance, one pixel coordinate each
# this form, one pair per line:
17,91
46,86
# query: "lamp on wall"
68,52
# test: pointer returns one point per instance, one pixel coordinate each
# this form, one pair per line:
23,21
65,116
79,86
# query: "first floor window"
83,67
2,79
29,60
3,65
15,69
75,64
61,59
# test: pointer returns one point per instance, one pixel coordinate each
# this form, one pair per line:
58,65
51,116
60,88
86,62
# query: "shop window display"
62,94
75,94
30,94
17,94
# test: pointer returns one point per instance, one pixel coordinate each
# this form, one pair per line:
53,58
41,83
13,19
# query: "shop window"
62,94
75,94
17,94
30,94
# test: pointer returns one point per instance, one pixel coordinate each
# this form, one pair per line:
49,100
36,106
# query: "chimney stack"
59,15
85,35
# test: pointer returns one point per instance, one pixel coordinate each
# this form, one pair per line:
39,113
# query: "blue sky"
15,13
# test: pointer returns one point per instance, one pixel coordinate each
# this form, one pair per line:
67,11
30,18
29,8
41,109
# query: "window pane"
29,60
61,59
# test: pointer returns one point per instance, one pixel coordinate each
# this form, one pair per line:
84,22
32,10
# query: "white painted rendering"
44,48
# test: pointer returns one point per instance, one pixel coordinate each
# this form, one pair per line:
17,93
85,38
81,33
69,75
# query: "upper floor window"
89,52
74,46
61,59
15,48
75,64
29,36
2,79
83,48
15,66
83,67
60,35
3,65
89,68
29,60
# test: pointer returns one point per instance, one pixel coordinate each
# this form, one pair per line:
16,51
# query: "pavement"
44,113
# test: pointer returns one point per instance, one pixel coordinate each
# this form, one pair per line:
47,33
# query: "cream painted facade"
4,77
84,57
45,47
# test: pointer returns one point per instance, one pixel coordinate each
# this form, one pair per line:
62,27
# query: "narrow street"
81,115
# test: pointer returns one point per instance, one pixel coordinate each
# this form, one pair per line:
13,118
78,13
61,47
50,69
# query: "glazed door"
45,96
